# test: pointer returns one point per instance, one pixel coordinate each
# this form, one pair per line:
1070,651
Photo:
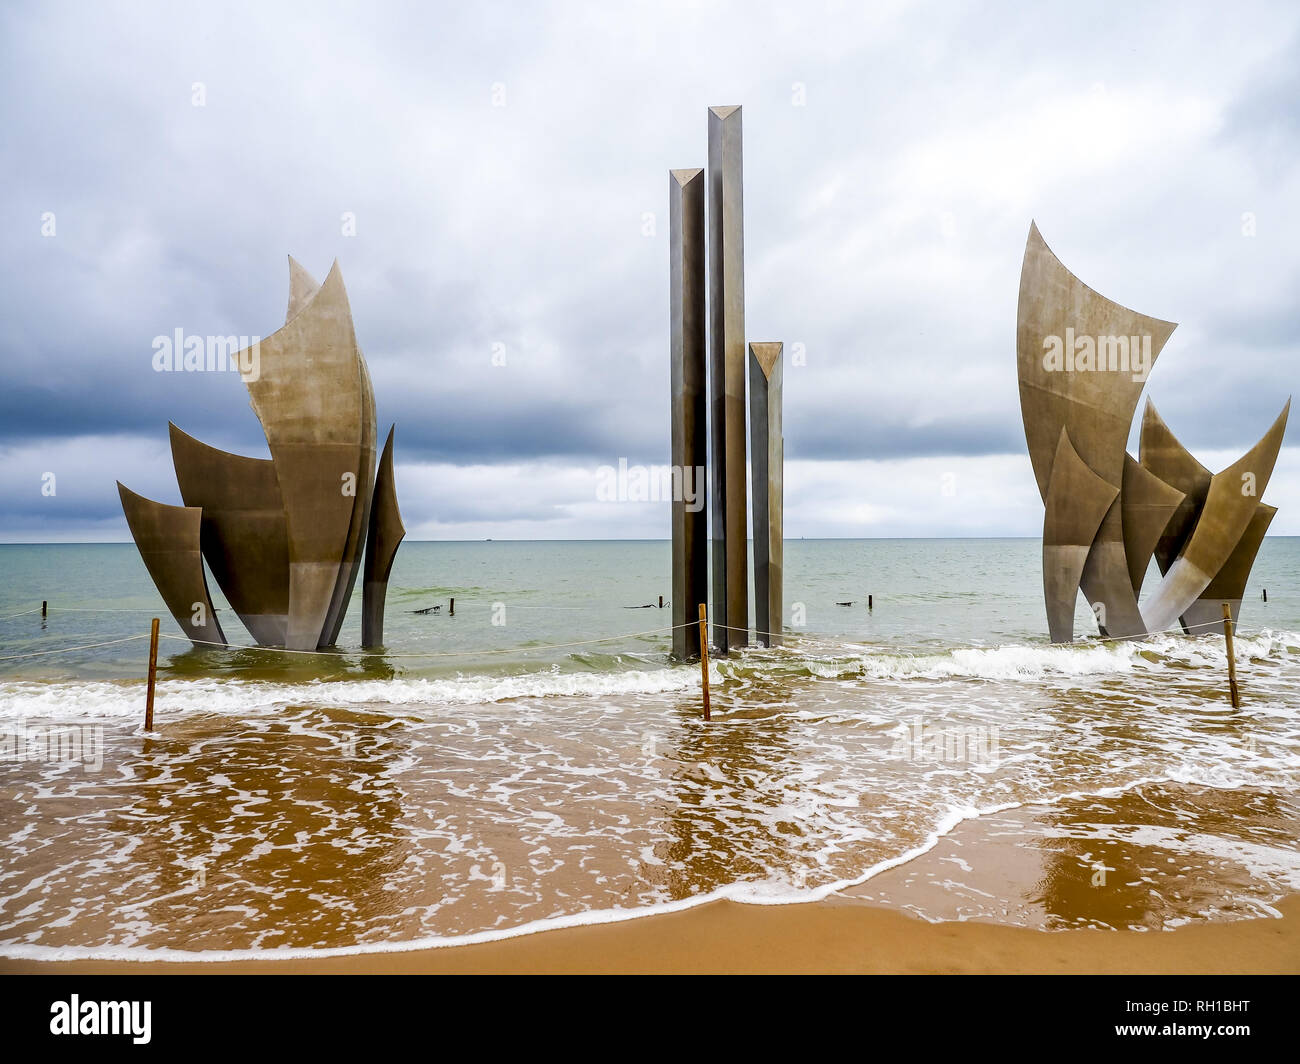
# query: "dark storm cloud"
885,209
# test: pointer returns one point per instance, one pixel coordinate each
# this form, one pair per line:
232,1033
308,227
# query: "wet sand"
836,936
1151,859
1011,893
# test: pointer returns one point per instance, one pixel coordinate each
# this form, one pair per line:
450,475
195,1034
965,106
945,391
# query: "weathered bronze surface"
1229,584
243,537
351,562
1148,503
730,611
284,536
1083,361
383,534
689,411
309,398
1230,504
767,461
168,540
1160,452
1077,502
1095,404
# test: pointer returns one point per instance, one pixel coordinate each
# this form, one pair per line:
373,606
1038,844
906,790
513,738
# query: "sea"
536,759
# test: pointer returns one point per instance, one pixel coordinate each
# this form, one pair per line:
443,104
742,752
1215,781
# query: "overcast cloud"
894,156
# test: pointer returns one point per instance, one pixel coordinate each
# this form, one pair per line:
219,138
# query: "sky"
493,181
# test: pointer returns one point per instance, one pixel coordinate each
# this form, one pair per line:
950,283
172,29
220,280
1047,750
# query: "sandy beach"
836,937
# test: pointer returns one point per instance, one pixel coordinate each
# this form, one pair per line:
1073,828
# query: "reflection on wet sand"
1155,857
708,846
216,832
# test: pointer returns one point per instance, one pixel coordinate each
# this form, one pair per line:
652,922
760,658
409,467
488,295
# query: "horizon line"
589,539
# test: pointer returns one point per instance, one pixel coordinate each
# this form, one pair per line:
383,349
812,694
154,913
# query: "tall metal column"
767,457
730,611
690,585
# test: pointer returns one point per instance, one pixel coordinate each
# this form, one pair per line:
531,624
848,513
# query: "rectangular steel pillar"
730,609
690,440
767,459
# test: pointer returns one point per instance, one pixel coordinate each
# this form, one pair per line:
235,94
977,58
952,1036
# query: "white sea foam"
760,893
1006,663
766,892
1033,662
95,699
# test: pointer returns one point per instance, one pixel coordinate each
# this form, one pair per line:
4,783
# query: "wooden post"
704,655
45,605
153,675
452,611
1265,598
868,602
661,602
1232,662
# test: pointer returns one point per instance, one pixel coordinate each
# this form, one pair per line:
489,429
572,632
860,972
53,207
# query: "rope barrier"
509,650
520,606
523,606
68,650
787,638
92,609
430,654
733,628
79,609
1097,640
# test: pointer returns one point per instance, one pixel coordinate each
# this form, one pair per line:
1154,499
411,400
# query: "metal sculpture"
284,536
1083,361
729,362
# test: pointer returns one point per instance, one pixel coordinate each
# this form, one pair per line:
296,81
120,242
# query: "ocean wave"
94,699
1035,662
1010,662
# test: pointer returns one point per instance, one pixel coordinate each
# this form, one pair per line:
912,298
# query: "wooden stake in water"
1232,662
153,675
452,612
704,655
45,605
